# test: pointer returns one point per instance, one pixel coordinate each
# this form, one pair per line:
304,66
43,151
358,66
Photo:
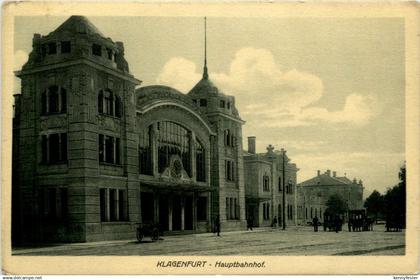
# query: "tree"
375,204
395,202
336,205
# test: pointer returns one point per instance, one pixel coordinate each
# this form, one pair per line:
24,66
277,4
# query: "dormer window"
222,104
65,47
203,103
96,50
52,48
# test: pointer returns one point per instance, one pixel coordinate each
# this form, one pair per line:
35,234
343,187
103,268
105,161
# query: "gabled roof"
78,24
325,180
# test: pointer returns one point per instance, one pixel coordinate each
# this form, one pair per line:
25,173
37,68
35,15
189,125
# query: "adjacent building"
268,176
314,193
94,154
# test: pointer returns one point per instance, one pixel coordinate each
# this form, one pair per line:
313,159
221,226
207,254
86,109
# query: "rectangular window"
65,47
109,149
145,153
202,208
203,103
122,205
228,105
227,208
54,148
222,104
96,50
63,203
102,202
52,48
112,205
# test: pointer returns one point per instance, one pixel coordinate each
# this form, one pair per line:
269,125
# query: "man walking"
315,223
274,224
250,221
217,225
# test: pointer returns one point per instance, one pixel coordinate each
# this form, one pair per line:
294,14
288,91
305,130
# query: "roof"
78,24
205,86
325,180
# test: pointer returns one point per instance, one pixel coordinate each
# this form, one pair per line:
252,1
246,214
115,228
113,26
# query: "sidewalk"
65,246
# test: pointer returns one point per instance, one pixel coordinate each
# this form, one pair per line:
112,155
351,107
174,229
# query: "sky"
328,90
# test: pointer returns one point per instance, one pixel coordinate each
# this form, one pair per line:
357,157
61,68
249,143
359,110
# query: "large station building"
94,154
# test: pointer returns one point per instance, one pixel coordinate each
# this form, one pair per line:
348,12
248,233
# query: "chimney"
334,173
251,144
329,173
318,173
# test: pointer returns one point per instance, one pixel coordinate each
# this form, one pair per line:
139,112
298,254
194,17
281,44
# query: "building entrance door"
164,212
147,207
188,213
176,212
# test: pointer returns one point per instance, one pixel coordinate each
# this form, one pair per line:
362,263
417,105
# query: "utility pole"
284,188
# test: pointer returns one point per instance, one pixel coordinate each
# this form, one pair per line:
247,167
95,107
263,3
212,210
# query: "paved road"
294,241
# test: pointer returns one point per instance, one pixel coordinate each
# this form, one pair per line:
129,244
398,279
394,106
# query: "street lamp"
284,188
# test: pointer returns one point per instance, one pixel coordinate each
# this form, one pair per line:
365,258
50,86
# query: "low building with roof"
314,193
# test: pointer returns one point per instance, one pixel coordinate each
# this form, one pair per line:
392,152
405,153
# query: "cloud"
20,58
179,73
269,96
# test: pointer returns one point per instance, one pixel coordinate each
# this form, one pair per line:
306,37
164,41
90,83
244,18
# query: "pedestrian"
274,224
250,222
217,225
315,223
337,223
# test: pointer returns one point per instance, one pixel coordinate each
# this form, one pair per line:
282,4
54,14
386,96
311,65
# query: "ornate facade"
94,154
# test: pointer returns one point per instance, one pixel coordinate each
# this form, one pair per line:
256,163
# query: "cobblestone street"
293,241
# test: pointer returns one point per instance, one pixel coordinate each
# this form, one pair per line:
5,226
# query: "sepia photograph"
209,135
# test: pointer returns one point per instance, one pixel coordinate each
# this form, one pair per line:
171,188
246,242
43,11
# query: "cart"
148,229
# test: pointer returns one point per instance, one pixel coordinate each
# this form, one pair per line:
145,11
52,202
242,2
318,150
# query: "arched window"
200,162
109,103
173,139
280,185
229,138
54,100
266,183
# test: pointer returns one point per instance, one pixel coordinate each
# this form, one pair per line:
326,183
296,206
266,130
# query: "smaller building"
314,193
266,175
